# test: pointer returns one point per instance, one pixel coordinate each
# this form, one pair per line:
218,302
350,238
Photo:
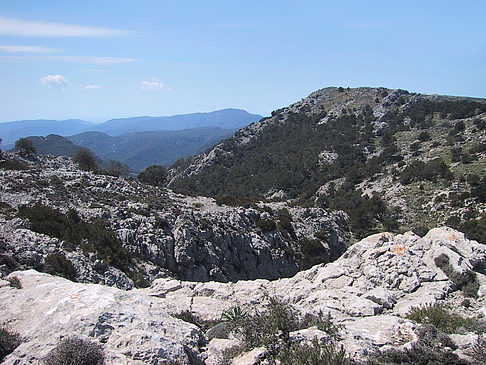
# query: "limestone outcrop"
367,291
191,238
132,328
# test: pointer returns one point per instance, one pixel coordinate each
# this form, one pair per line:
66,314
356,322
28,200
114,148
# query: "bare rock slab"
132,328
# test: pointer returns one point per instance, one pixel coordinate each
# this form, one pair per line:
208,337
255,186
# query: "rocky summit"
345,229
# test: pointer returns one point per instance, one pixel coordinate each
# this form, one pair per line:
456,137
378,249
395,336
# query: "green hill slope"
391,159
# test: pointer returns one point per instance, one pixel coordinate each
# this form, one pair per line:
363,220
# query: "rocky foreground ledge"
367,291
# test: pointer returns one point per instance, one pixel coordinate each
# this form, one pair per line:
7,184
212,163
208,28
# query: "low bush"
467,281
445,321
317,352
266,225
75,351
9,341
15,282
12,164
90,236
60,265
478,351
271,327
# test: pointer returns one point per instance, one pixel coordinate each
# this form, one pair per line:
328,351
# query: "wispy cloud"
26,28
27,49
91,60
91,87
154,85
58,81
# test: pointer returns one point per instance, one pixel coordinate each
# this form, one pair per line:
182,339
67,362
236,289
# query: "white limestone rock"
132,327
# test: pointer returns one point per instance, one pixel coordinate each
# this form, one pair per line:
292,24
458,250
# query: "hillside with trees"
393,160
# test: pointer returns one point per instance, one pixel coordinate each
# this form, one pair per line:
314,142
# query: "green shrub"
264,328
60,265
266,225
9,341
466,281
90,236
418,171
475,229
314,353
445,321
271,327
85,159
15,282
75,351
153,175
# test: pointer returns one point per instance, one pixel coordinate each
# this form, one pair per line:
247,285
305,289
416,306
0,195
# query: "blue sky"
97,60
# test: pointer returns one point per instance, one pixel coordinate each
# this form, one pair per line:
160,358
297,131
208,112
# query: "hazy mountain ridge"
142,149
11,131
225,119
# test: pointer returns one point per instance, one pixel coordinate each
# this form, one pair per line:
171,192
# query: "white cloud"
58,81
91,87
27,49
26,28
154,85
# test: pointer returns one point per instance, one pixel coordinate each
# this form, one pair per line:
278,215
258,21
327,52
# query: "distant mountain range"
139,142
142,149
12,131
225,119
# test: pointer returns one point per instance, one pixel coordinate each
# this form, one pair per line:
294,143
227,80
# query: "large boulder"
132,327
